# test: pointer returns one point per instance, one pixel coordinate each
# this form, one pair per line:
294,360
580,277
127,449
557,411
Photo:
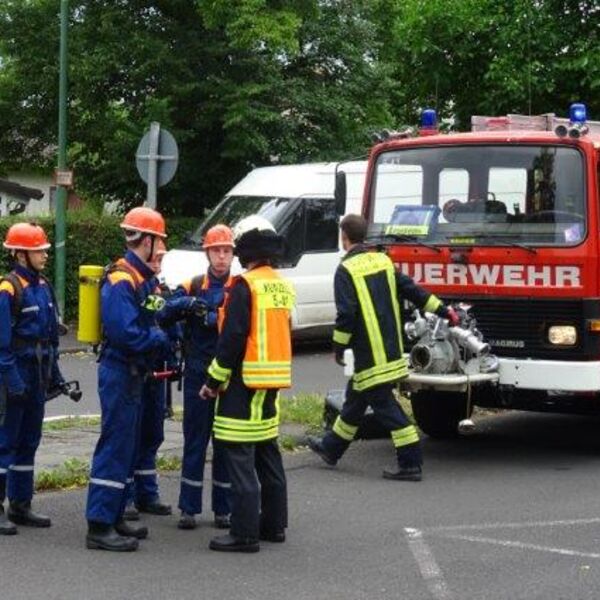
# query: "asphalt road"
510,513
314,370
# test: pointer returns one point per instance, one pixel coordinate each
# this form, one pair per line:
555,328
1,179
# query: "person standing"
200,303
144,491
252,363
132,343
368,292
28,367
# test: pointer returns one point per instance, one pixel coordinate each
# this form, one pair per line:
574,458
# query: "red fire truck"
506,218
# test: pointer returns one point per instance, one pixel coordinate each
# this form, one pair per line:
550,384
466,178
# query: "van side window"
321,225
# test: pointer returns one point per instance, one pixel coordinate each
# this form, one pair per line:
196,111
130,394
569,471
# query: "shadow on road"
518,437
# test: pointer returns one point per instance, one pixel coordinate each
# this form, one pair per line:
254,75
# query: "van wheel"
438,413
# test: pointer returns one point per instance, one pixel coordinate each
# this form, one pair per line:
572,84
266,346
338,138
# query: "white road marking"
522,545
478,526
427,565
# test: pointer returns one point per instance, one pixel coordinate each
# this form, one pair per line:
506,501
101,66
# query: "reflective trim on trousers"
21,468
221,484
145,472
3,471
191,482
108,483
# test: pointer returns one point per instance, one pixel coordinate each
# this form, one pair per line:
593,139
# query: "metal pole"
153,164
61,192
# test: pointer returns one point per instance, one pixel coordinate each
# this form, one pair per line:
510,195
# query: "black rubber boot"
404,473
101,536
277,537
222,521
131,513
230,543
123,528
20,513
187,521
6,527
316,445
154,508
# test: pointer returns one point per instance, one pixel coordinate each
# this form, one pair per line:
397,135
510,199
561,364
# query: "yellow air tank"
89,329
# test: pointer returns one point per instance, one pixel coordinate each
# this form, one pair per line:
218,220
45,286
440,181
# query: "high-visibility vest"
267,362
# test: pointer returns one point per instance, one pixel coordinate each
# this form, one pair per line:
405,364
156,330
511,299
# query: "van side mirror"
340,192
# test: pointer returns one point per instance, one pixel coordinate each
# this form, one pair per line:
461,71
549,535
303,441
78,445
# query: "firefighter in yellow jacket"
252,363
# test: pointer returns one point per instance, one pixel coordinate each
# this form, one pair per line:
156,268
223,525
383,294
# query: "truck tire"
438,413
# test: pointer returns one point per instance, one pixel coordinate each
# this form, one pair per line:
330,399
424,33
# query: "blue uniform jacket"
200,339
130,333
37,321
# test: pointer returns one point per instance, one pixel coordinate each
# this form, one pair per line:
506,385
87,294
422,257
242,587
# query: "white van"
299,201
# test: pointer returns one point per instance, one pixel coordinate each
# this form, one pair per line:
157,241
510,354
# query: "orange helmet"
144,220
26,236
219,235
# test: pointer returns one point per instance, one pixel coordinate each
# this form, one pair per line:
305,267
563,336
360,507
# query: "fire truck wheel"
438,413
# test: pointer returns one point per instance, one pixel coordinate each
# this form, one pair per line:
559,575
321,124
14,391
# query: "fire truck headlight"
562,335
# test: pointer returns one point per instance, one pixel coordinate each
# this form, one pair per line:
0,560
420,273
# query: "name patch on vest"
274,294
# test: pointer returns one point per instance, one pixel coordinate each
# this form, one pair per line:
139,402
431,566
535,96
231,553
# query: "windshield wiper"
390,238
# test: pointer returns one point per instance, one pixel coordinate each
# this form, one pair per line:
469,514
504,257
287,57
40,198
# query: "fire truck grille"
518,327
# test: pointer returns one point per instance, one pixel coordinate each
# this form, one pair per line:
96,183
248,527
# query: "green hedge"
91,239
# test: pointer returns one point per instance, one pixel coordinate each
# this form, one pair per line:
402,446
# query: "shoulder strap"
17,299
120,267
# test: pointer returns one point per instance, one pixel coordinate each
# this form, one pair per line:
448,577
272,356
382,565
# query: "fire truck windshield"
488,194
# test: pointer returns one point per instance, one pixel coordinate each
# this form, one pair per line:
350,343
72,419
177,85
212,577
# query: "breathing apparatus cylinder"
90,277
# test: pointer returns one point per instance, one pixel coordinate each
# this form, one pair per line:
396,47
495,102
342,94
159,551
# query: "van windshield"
480,194
234,208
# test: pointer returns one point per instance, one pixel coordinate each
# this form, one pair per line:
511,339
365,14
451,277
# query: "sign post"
156,159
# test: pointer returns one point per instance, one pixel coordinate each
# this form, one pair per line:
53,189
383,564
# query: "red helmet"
219,235
26,236
144,220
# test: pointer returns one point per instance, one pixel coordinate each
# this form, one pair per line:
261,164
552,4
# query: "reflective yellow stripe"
341,337
245,424
226,435
368,312
381,374
391,277
432,304
218,372
256,405
344,430
262,335
405,436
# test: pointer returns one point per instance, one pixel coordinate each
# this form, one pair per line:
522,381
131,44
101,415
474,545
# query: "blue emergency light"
429,119
578,113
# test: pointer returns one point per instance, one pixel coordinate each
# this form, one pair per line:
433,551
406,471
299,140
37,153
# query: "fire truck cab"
507,219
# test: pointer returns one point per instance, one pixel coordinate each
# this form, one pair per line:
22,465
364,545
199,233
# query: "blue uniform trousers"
20,435
120,391
152,435
198,416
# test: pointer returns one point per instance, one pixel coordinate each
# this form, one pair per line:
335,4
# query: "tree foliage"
242,83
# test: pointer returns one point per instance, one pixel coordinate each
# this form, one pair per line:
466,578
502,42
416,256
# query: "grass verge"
303,409
75,473
70,423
